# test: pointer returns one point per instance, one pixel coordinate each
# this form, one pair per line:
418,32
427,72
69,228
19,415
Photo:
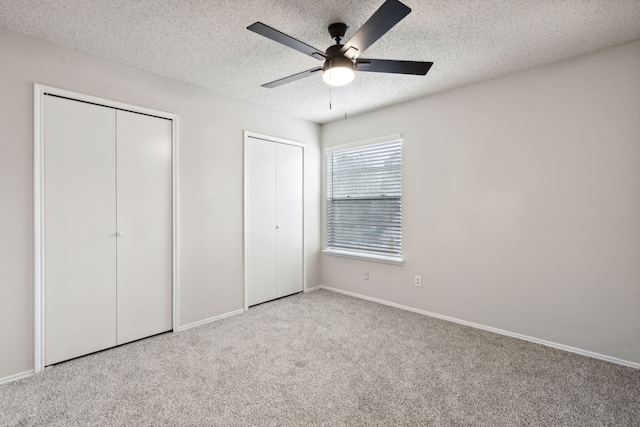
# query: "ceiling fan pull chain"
329,97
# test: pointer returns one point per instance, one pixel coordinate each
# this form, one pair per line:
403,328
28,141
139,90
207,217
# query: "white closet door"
260,211
144,278
290,217
79,227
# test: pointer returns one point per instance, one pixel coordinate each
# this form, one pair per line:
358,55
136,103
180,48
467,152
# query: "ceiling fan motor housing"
337,31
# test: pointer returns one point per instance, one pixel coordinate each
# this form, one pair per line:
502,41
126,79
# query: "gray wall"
521,204
211,180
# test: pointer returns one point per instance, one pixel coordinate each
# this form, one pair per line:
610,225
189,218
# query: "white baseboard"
315,288
17,377
491,329
209,320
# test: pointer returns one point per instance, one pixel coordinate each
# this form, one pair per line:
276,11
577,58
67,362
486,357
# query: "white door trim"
248,134
39,91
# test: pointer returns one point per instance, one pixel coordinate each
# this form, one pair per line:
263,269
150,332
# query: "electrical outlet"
418,281
365,276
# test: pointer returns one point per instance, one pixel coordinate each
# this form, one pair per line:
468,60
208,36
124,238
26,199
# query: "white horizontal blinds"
364,198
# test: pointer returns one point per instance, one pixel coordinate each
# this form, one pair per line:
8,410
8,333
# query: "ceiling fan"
341,61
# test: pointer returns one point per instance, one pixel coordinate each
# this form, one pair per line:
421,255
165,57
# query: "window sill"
363,256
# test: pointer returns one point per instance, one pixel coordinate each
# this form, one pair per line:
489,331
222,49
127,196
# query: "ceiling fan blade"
391,66
282,38
293,78
389,14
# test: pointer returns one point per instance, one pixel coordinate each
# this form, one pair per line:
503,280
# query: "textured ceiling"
206,43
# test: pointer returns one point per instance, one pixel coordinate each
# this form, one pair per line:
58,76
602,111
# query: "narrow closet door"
260,211
144,282
79,228
290,219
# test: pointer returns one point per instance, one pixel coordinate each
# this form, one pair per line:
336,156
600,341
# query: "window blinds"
364,210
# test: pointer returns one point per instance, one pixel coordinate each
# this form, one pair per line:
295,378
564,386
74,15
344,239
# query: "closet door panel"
290,219
144,204
79,228
260,211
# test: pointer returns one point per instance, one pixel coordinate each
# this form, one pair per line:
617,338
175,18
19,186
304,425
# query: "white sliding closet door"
290,214
274,218
80,225
144,219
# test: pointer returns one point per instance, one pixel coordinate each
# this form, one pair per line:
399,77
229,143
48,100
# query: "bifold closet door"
80,225
144,273
274,219
107,227
260,211
289,219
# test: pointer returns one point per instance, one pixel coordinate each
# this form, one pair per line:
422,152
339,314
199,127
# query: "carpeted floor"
327,359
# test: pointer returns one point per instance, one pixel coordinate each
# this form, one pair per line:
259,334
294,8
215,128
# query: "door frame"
39,92
248,134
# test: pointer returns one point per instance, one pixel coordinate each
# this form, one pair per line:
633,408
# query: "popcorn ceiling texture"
206,43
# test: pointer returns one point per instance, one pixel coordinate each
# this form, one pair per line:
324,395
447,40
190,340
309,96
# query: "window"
364,199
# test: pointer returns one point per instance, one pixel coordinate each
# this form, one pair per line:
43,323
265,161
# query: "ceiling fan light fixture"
343,60
338,71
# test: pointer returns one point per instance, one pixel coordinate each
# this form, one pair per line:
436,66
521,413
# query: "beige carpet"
327,359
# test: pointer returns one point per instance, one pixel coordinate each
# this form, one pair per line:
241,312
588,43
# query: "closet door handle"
119,233
277,227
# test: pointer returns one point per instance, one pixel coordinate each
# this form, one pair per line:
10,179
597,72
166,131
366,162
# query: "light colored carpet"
327,359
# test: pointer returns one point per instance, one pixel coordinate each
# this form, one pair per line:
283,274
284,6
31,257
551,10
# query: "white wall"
211,177
521,204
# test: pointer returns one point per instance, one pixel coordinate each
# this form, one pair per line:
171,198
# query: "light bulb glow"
339,76
338,71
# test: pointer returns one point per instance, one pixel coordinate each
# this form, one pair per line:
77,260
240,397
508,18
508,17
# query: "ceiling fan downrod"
337,31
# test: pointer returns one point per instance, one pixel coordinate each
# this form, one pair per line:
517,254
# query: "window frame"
355,253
